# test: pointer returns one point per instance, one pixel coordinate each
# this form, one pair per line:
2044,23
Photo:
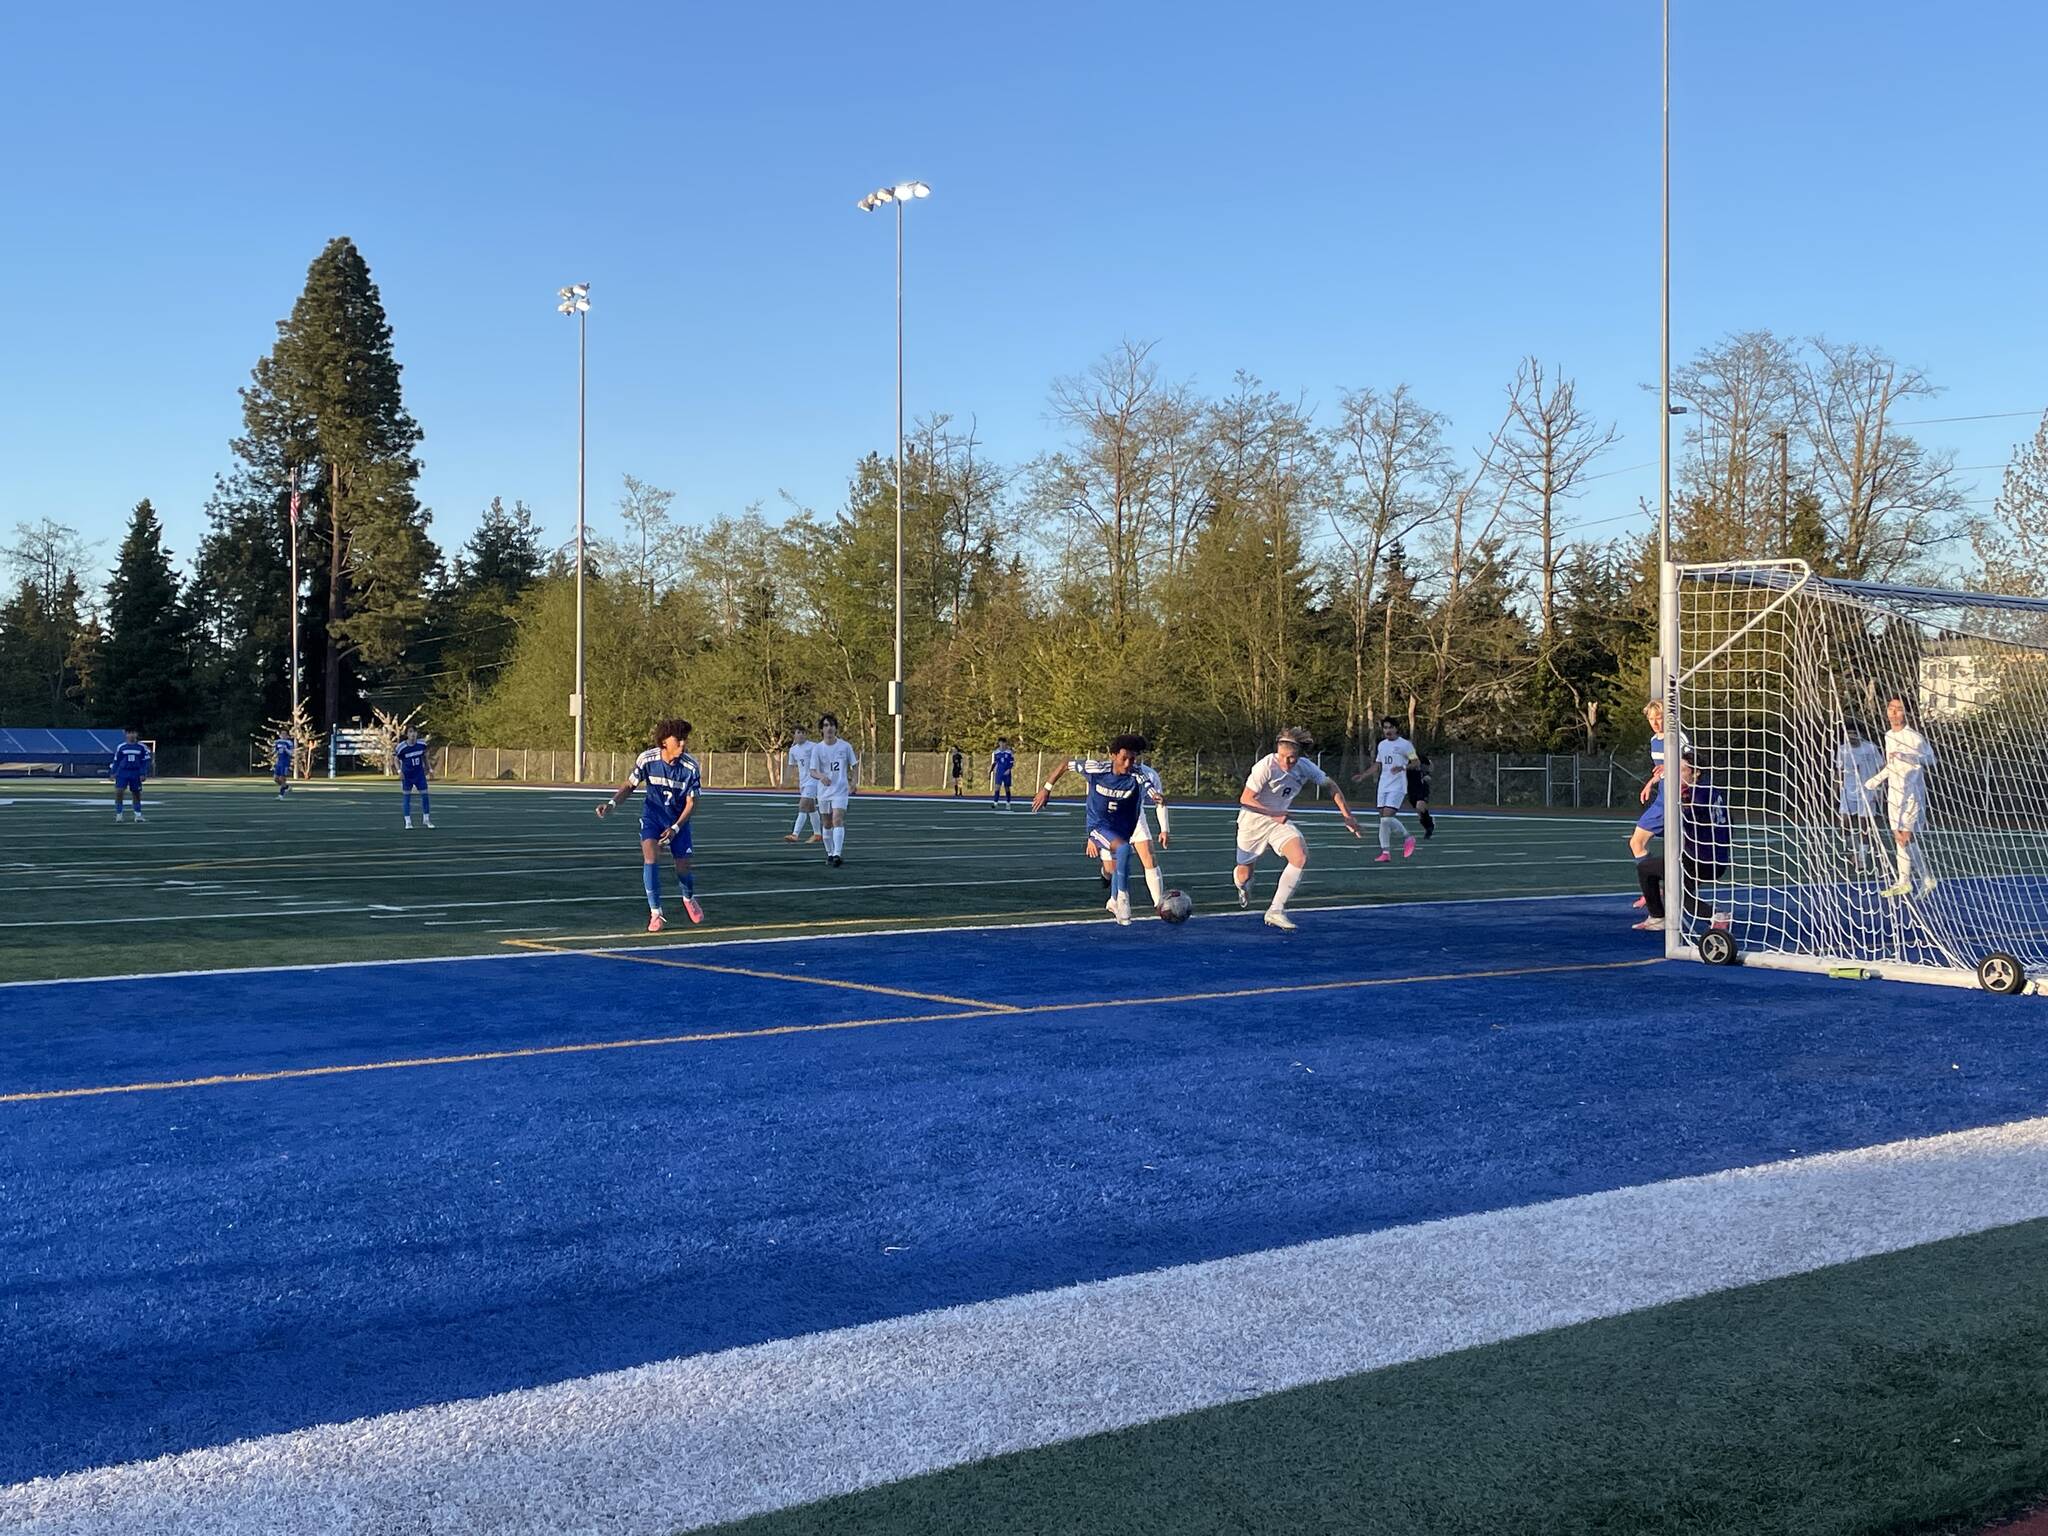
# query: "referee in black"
1418,793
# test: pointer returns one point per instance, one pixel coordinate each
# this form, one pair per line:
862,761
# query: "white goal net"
1824,716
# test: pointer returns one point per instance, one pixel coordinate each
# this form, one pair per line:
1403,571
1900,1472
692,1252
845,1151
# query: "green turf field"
223,873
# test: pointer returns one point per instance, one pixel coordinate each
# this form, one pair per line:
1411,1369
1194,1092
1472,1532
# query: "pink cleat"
1408,849
656,922
1384,858
690,906
1639,903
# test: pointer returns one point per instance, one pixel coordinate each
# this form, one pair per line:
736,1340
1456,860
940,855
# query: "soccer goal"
1780,683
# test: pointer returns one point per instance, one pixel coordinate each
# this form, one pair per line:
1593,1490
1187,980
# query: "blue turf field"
188,1265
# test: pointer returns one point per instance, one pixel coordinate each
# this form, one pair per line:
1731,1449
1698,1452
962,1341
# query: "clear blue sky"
1325,194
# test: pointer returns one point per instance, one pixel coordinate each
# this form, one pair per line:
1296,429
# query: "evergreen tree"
240,602
325,412
146,665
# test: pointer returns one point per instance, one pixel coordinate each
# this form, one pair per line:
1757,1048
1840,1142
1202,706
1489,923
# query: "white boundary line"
678,1444
791,938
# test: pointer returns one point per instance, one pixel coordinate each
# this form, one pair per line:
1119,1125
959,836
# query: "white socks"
801,818
1156,884
1290,877
835,839
1387,825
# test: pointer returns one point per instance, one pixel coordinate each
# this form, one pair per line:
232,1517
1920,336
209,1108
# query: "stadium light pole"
899,194
575,300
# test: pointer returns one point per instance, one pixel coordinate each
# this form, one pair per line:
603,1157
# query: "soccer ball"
1176,908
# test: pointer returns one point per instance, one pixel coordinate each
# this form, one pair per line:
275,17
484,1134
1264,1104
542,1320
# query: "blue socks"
650,875
426,805
1120,874
687,881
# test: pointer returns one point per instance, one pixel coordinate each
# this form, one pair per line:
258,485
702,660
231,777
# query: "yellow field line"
715,935
815,981
289,1074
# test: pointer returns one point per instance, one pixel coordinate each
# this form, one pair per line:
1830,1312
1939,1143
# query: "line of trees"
1203,567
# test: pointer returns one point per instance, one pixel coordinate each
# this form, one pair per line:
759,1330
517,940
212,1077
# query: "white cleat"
1122,907
408,823
1900,889
427,822
1930,884
1244,896
1649,925
117,818
1281,921
1927,882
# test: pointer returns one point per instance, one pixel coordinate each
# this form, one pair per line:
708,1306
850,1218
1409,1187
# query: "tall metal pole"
1668,637
896,703
582,339
1664,368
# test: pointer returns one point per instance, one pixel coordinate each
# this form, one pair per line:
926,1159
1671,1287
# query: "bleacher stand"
71,754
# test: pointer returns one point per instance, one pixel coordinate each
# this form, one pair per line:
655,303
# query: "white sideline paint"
782,938
694,1441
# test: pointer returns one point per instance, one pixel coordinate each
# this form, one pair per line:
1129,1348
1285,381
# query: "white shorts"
1257,834
830,799
1144,833
1907,811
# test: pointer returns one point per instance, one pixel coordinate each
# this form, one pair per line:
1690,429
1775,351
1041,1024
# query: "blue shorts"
651,828
411,781
1107,837
1002,781
128,781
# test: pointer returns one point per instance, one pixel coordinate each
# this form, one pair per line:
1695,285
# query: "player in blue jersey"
131,767
411,756
1705,848
281,763
1001,764
1116,791
669,776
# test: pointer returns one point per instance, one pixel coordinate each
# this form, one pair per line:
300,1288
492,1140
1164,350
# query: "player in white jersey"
1265,819
801,750
1141,838
1907,757
835,771
1394,755
1857,760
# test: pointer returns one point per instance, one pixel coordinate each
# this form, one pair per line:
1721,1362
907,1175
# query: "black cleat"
834,860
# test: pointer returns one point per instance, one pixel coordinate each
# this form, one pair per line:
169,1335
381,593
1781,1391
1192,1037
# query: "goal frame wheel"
1717,948
2001,973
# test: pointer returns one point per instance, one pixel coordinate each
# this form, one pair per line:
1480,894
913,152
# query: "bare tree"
1886,500
1103,485
654,547
968,488
1549,442
1739,394
2011,543
1393,477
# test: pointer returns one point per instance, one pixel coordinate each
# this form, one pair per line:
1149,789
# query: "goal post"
1779,684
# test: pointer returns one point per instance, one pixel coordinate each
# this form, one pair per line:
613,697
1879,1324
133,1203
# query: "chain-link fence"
1532,780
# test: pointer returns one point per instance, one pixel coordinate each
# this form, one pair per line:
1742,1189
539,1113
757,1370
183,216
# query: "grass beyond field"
226,874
